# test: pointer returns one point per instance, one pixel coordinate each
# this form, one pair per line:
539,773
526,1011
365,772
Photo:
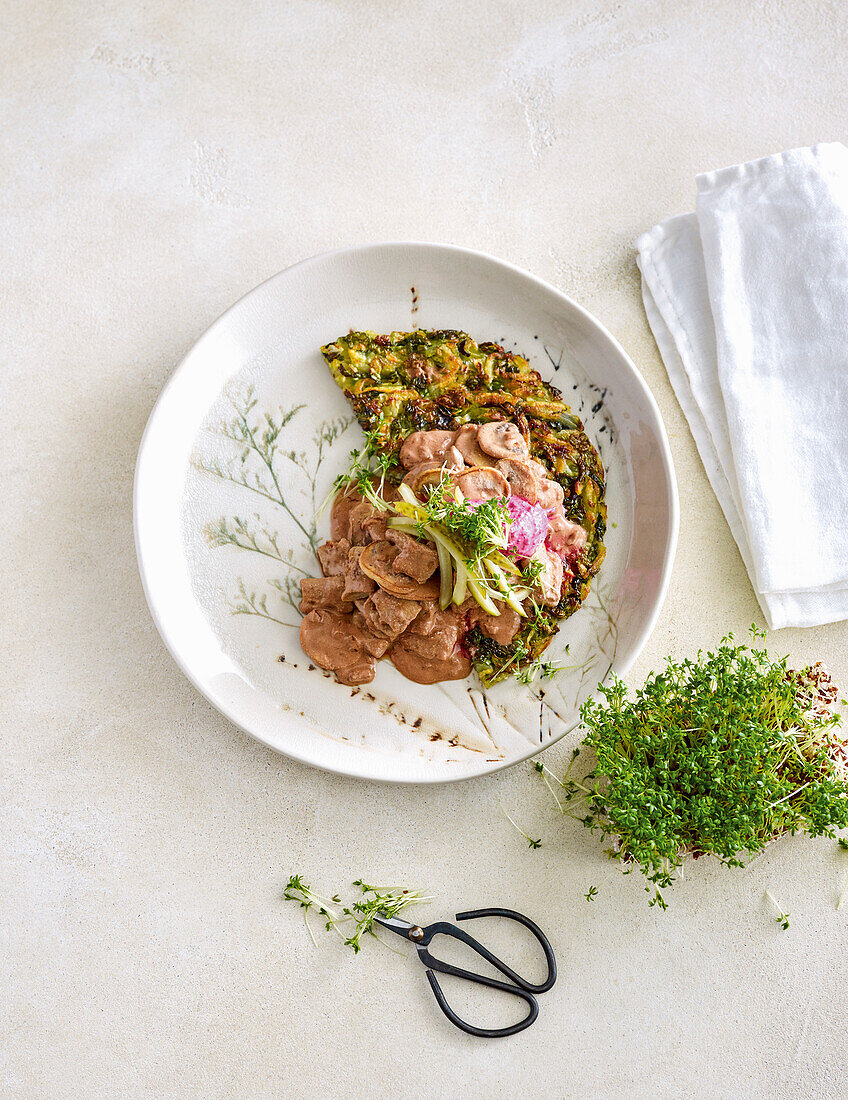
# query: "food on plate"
469,526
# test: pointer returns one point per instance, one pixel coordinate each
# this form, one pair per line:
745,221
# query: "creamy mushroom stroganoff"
468,527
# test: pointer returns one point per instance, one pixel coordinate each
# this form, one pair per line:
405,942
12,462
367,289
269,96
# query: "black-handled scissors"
516,987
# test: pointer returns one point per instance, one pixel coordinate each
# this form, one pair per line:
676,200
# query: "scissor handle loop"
544,943
492,983
519,986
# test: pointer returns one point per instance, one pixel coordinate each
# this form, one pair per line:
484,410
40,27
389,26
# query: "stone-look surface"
159,161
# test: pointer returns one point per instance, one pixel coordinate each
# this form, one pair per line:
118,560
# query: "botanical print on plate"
259,445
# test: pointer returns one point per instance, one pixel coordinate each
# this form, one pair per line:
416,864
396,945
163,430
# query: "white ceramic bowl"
234,633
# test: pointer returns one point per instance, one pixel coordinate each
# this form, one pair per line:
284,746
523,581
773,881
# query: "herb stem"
269,464
532,843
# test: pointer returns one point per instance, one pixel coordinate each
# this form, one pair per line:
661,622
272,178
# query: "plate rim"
673,499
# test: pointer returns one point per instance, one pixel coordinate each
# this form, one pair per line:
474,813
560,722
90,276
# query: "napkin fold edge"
800,608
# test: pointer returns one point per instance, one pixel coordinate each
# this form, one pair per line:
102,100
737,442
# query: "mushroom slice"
502,439
482,483
522,480
424,475
332,642
453,460
465,441
377,562
424,447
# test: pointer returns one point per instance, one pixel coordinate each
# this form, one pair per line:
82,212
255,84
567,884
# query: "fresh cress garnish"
356,918
532,842
782,918
713,756
368,465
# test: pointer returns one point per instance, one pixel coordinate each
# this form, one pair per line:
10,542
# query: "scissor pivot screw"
416,933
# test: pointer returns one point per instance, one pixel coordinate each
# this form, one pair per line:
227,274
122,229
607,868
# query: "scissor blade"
395,924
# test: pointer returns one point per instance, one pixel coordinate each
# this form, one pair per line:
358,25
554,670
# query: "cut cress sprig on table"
716,756
532,842
782,918
376,901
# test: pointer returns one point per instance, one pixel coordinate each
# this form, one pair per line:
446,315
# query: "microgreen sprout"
576,793
592,894
782,918
545,669
297,890
532,571
530,840
545,772
717,756
376,901
368,465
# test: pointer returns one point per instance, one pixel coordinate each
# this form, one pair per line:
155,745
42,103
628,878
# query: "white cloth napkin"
748,302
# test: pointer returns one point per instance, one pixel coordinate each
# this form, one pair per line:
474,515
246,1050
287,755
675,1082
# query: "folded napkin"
748,302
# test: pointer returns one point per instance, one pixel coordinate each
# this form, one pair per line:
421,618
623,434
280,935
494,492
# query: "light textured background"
159,160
